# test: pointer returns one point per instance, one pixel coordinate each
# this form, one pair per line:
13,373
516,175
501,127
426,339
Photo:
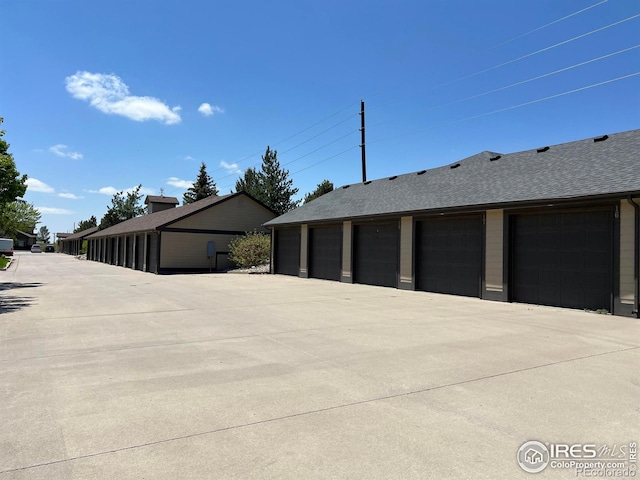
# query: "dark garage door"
375,258
325,252
563,259
287,251
449,255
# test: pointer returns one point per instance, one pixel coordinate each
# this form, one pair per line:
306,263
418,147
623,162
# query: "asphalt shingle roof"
584,168
79,235
156,220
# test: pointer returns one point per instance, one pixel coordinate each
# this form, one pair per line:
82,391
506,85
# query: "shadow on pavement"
10,302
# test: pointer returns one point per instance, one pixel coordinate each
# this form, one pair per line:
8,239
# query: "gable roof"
586,168
26,234
160,199
157,220
79,235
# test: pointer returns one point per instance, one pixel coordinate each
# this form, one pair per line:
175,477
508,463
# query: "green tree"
277,185
250,183
203,187
43,235
271,185
85,224
12,185
323,187
123,207
18,216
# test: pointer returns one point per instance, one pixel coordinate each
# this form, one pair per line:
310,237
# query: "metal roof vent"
601,139
346,186
367,182
543,149
497,157
421,172
393,178
454,166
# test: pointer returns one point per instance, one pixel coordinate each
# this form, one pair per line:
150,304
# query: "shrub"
250,250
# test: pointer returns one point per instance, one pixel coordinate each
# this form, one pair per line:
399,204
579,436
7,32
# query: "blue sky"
102,96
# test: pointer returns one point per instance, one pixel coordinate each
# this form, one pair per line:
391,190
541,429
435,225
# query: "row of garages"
556,225
567,257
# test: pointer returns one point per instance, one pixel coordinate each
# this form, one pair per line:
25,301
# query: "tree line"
270,184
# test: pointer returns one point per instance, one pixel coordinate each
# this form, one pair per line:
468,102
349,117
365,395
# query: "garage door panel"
287,251
567,261
325,252
449,255
376,250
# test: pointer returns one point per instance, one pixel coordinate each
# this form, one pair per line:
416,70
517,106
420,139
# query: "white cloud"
60,150
109,94
231,167
176,182
207,109
70,196
55,211
36,185
111,191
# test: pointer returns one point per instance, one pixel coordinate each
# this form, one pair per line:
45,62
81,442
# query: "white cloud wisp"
207,109
55,211
231,167
179,183
70,196
36,185
109,94
60,151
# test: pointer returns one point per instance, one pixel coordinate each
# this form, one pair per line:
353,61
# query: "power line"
547,25
510,108
301,132
529,80
504,64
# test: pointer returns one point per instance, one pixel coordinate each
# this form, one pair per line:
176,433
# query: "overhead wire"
492,68
547,25
522,57
473,117
506,87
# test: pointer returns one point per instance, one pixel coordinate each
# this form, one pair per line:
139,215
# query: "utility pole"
362,145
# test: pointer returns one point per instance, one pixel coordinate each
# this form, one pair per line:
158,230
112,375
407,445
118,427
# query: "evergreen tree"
123,208
250,184
203,187
324,187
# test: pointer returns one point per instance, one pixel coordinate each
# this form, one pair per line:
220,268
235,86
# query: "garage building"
191,238
557,225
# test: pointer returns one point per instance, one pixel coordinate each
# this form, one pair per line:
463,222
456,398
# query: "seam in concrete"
311,412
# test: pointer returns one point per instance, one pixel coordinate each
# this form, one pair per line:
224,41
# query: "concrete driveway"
110,373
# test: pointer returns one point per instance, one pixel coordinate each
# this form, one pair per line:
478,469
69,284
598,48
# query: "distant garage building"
191,238
552,226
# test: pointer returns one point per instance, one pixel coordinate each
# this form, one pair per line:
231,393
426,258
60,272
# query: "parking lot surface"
110,373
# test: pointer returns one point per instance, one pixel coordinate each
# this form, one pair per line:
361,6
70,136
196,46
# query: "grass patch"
4,261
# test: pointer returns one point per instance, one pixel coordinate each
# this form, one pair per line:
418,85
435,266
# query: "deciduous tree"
18,216
12,185
123,207
86,224
43,234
